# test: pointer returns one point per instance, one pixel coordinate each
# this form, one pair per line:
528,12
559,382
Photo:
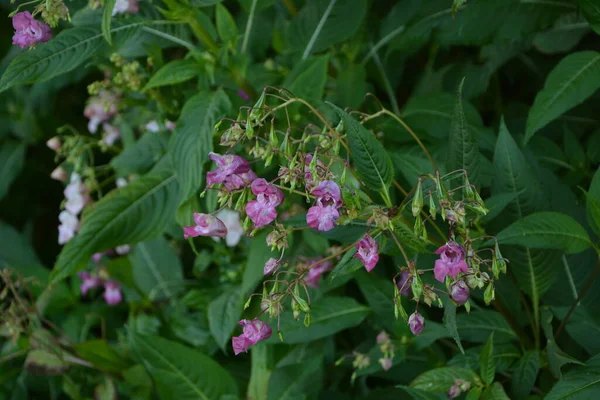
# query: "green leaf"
142,155
321,24
525,373
258,256
450,321
418,394
15,249
563,36
102,355
68,50
192,139
181,373
226,26
479,325
371,160
109,5
497,203
581,384
307,79
442,379
547,230
223,315
174,72
495,392
45,362
593,203
536,270
136,212
157,270
288,381
463,148
574,79
379,294
591,11
487,367
347,265
556,357
329,315
12,158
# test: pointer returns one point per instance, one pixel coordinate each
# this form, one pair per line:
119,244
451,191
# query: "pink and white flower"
59,174
318,268
112,293
206,225
367,251
88,281
100,109
254,331
125,6
451,261
271,266
262,210
323,215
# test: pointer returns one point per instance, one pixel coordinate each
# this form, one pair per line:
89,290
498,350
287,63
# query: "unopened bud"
271,266
386,363
489,294
459,291
417,202
59,174
54,143
416,323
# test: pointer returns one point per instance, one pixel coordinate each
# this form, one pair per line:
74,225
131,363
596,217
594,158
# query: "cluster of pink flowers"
29,31
324,213
77,197
99,110
112,289
253,332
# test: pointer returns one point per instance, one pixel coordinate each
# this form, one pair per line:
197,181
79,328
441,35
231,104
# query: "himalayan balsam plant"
299,199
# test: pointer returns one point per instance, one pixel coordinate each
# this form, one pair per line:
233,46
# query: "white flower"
65,234
111,134
68,220
123,249
232,222
121,182
152,126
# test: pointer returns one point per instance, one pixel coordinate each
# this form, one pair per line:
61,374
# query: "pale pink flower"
206,225
322,218
29,31
111,134
271,266
59,174
366,251
318,268
125,6
232,222
229,168
254,331
54,143
88,281
100,109
112,293
451,261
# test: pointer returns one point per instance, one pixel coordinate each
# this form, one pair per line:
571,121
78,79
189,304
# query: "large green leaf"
525,374
226,26
371,160
321,24
136,212
450,321
12,157
581,384
223,315
15,249
495,392
547,230
307,79
487,367
463,148
563,36
478,326
574,79
181,373
441,379
289,381
67,51
591,11
593,203
379,293
174,72
329,315
141,155
157,270
536,270
107,15
192,140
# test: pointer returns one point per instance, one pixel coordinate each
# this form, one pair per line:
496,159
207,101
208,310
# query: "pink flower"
112,293
416,323
206,225
366,251
328,193
459,291
386,363
322,218
96,257
451,261
382,338
262,210
254,331
404,284
111,134
227,165
29,31
170,125
243,95
318,268
271,266
232,222
125,6
53,143
59,174
238,181
88,281
100,109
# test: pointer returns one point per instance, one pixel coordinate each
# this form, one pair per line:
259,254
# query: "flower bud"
489,293
59,174
386,363
416,322
54,143
459,292
271,266
417,202
432,206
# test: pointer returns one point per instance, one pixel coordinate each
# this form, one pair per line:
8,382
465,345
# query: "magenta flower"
243,95
262,210
88,281
459,291
328,193
451,261
271,266
112,293
228,165
416,323
29,31
206,225
319,268
366,251
238,181
254,331
404,284
322,218
309,179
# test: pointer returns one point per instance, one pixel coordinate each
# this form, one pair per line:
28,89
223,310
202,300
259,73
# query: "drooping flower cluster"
387,348
29,31
112,289
324,213
76,194
100,109
253,332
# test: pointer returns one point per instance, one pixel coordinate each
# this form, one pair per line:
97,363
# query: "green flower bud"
417,202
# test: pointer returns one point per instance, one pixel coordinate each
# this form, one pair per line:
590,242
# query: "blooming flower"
88,281
386,363
231,170
318,269
404,284
53,143
451,261
271,266
324,213
232,222
59,174
206,225
382,337
416,322
123,249
112,293
100,109
254,331
76,195
111,134
68,226
125,6
366,251
459,292
262,210
152,126
29,31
